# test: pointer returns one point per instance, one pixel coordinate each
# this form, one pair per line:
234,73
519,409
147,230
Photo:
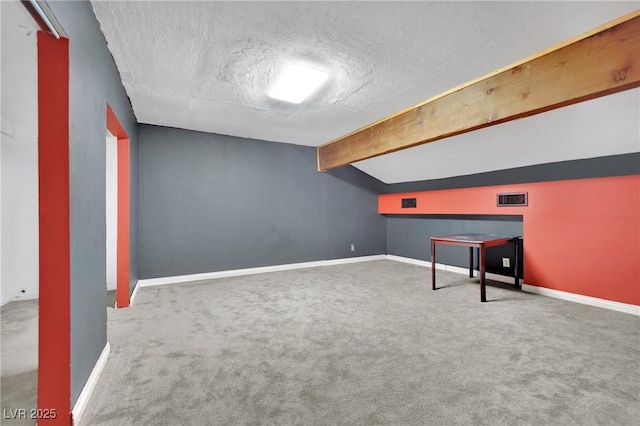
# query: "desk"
479,241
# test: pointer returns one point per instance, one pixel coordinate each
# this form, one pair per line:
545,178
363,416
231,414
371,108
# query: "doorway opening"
111,202
118,202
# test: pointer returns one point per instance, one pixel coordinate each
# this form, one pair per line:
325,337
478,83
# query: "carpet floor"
19,360
364,344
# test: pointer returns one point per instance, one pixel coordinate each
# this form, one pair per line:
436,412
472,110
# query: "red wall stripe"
54,344
123,255
580,236
122,292
114,126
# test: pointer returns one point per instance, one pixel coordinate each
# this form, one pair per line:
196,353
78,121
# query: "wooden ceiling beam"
603,61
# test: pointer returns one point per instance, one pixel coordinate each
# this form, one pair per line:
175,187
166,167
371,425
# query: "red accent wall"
123,237
54,344
580,236
114,126
122,286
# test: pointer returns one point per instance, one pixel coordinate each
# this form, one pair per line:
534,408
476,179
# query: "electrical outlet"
506,262
353,247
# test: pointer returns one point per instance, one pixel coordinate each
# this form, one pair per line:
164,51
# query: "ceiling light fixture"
297,83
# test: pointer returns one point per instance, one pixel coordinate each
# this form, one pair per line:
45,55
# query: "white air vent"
513,199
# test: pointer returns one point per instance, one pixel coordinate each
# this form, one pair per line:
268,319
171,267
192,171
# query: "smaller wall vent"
409,203
513,199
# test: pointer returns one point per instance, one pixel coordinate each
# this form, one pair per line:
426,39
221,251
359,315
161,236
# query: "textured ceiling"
208,65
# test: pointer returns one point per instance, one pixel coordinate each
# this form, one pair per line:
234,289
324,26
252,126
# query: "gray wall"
410,237
612,165
212,202
93,81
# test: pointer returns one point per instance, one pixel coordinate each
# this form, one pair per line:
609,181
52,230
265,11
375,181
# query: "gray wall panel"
410,237
212,202
613,165
350,223
93,81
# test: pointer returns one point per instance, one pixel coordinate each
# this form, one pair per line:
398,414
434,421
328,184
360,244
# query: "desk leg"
470,262
483,292
515,274
433,265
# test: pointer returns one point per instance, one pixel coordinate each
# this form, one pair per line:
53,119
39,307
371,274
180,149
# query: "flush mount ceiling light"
297,83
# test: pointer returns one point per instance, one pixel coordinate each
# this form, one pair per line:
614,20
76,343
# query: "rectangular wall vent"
409,203
513,199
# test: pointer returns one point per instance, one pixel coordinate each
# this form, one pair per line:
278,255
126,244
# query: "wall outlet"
353,247
506,262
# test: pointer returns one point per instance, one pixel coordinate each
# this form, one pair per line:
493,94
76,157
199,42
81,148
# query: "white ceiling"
208,65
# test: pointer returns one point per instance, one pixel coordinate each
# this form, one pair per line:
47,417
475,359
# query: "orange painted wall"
124,196
580,236
54,302
123,255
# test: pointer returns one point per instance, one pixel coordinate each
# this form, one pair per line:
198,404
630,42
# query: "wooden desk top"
475,239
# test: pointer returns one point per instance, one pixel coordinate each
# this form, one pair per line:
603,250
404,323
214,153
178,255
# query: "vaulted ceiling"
208,66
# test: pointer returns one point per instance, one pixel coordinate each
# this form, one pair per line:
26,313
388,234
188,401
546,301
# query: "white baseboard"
89,386
134,293
22,296
585,300
132,296
450,268
412,261
252,271
30,295
359,259
557,294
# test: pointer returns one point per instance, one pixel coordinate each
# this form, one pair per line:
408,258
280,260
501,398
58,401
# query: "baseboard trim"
22,296
27,296
359,259
556,294
412,261
252,271
134,293
489,275
89,386
450,268
585,300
